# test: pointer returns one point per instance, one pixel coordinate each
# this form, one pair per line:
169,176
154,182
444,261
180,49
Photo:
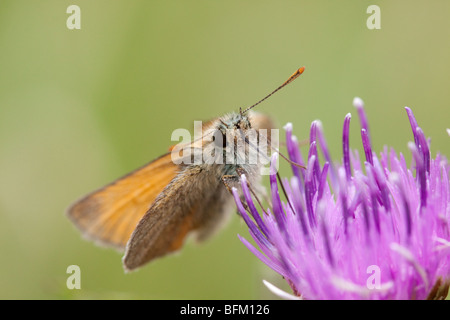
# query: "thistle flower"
373,229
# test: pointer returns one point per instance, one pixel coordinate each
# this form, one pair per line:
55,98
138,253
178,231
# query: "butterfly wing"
109,215
261,121
194,202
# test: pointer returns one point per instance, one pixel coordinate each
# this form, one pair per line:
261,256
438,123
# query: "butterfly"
149,212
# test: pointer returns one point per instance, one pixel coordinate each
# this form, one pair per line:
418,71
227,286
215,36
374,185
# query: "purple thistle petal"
380,178
323,180
239,205
413,122
366,214
379,214
251,205
366,145
405,208
269,262
355,201
299,207
329,253
314,166
325,151
312,132
276,201
346,145
376,215
294,152
310,190
373,196
322,141
313,149
343,198
359,105
252,226
280,293
421,175
423,146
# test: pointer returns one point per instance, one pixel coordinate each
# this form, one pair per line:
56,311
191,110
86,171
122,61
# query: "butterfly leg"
234,179
229,181
240,172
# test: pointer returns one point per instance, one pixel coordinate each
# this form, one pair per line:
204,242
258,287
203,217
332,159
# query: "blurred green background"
79,108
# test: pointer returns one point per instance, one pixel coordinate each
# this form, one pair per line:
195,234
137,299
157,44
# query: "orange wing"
194,203
109,215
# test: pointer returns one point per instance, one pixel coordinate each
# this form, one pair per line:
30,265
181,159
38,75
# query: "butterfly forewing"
110,215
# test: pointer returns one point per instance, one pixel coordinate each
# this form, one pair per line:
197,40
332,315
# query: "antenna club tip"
291,78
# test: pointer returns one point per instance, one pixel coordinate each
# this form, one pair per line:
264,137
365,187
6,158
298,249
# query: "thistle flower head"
357,229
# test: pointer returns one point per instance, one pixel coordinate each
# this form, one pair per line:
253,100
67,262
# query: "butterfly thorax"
234,140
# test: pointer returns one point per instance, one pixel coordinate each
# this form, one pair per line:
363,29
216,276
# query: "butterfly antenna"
294,76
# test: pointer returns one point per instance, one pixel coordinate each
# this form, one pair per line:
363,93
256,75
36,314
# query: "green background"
79,108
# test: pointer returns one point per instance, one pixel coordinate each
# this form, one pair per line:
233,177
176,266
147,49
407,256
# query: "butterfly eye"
220,139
